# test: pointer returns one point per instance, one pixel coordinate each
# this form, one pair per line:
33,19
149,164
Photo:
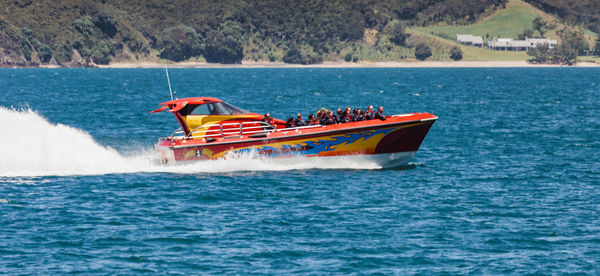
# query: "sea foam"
30,145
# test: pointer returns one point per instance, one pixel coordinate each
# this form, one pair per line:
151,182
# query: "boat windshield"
221,108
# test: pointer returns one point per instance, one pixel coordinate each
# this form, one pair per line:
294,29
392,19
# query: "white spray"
32,146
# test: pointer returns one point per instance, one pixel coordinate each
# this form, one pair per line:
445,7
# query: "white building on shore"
468,39
508,44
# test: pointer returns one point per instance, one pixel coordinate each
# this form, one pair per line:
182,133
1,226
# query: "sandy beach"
391,64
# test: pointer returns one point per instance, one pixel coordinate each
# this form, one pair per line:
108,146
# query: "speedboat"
213,129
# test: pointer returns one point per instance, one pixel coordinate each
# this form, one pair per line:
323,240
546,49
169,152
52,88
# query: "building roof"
536,41
521,43
500,42
469,38
464,37
527,43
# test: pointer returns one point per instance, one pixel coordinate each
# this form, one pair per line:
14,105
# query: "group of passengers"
327,117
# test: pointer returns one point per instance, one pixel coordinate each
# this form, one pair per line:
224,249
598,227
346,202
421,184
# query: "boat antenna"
169,81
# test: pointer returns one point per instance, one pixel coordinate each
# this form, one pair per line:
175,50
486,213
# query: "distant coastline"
410,33
390,64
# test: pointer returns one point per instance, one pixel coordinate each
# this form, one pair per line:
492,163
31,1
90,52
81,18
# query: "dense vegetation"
572,44
456,53
575,12
85,32
586,12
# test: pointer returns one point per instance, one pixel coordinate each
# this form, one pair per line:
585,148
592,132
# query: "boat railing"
175,134
232,130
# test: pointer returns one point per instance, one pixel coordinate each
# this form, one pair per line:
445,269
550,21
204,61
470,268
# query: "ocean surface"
506,182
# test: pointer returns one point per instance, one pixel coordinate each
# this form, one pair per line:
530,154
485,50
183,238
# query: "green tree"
42,49
100,53
525,34
456,53
348,57
225,45
398,33
62,52
575,40
542,26
93,41
539,54
422,51
597,47
106,22
302,55
564,54
180,43
85,25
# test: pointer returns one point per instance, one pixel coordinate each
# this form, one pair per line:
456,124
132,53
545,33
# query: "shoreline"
380,64
386,64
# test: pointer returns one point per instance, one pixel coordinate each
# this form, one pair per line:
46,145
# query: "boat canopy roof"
200,106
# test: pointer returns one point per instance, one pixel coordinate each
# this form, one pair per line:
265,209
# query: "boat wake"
30,145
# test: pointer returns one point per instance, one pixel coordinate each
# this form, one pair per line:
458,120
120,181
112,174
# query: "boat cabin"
200,115
212,108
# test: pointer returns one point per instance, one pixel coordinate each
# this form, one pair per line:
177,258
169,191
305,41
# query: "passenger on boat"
269,120
311,120
369,113
379,114
357,116
330,119
299,121
324,110
321,113
338,116
323,118
290,123
347,116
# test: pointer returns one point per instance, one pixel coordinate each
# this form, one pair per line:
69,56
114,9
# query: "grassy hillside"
507,22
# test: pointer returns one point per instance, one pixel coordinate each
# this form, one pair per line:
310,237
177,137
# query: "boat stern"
165,152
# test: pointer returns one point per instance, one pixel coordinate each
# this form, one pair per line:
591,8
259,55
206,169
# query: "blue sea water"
506,182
